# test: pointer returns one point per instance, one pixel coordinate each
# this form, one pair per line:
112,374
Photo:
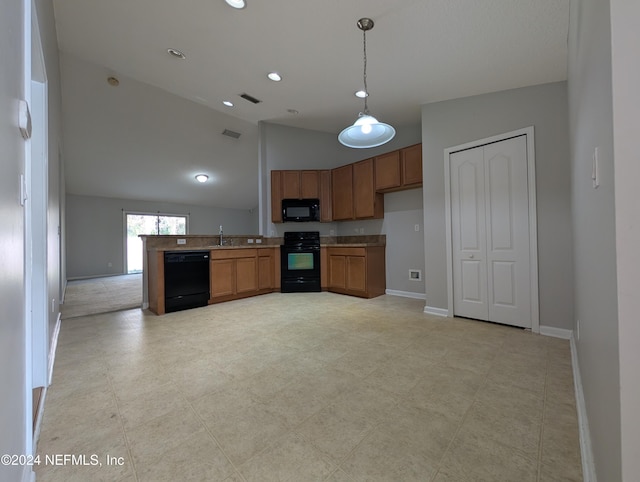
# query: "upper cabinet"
342,192
354,194
399,170
311,184
353,191
367,203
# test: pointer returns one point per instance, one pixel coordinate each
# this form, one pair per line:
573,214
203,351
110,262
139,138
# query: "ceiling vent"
250,98
229,133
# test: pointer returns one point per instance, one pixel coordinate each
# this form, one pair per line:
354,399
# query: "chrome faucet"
221,235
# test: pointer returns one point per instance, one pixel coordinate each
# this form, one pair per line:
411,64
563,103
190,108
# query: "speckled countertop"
210,242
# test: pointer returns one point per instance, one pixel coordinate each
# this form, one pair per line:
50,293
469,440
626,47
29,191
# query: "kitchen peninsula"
246,266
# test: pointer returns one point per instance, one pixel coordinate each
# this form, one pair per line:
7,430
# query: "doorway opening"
149,223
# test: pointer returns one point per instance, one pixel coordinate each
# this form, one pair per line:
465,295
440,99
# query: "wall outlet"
332,232
416,227
182,241
258,241
361,230
250,241
109,264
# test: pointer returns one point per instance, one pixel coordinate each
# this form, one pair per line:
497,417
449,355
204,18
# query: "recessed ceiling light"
228,103
202,178
176,53
236,3
292,111
362,94
275,76
113,81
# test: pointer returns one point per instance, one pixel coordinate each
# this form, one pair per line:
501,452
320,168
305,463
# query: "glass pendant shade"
366,132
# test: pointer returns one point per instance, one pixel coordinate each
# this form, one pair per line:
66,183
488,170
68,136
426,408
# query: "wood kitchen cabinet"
291,185
353,192
266,269
233,274
367,203
326,206
399,170
357,271
342,192
305,184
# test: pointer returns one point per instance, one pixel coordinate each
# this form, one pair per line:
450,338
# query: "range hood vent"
229,133
250,98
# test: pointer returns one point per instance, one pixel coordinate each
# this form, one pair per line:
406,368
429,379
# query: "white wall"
594,253
161,141
626,105
12,329
95,229
451,123
285,147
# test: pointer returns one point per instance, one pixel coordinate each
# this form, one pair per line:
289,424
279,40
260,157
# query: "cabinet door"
309,185
325,196
356,267
222,277
342,192
366,202
246,275
411,165
388,171
265,272
276,196
337,271
291,184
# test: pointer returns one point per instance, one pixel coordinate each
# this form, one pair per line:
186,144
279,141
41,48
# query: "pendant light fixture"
366,131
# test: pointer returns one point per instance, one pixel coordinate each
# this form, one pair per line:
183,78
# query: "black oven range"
300,262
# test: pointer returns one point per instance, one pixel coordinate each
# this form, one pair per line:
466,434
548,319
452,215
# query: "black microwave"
300,210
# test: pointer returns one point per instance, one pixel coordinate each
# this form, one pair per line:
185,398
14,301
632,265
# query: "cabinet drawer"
347,251
233,253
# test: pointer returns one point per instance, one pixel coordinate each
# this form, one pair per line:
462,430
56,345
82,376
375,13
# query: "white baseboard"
432,310
588,466
145,306
556,332
406,294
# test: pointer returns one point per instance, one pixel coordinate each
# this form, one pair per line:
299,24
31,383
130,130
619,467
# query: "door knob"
471,256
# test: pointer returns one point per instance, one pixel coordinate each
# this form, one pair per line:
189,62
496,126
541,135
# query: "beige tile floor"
305,387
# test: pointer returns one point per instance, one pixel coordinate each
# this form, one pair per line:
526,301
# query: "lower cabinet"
266,270
238,273
357,271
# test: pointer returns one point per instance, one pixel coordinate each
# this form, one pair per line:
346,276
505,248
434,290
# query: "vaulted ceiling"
419,51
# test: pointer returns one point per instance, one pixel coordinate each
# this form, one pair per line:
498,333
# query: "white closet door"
507,214
468,226
490,232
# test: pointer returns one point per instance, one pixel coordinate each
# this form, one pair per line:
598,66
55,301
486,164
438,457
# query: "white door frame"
37,370
533,226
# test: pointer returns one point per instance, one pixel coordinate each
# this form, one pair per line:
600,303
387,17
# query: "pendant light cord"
366,90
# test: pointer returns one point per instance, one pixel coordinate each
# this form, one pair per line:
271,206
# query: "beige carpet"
102,295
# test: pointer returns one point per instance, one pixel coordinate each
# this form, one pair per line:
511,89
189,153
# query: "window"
147,223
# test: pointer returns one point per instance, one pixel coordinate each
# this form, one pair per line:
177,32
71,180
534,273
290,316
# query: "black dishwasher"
186,280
